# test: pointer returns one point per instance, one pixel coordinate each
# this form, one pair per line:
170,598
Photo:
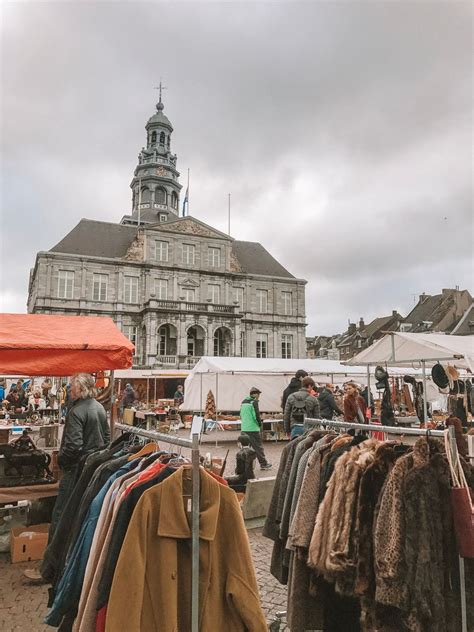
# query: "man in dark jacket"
327,403
293,386
298,406
85,431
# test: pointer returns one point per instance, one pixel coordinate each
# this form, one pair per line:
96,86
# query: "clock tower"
155,185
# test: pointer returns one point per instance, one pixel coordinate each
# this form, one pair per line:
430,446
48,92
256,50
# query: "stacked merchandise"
120,557
363,535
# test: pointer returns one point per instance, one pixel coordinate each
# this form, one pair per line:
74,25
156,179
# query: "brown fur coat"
414,543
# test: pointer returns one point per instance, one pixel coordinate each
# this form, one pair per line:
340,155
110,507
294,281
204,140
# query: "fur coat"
413,544
331,551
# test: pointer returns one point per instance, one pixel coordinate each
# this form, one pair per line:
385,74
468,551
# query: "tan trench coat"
152,582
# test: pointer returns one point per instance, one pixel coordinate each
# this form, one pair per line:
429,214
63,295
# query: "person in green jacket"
251,424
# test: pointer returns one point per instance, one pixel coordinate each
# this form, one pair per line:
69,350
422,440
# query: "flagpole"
229,216
187,190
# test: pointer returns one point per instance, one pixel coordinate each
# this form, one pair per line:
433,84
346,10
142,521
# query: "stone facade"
178,288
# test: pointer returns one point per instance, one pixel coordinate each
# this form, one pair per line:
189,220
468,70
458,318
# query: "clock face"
161,171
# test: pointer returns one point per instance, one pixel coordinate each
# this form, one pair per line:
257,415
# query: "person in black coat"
293,386
327,403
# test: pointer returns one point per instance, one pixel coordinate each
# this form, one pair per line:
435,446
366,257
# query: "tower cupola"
155,184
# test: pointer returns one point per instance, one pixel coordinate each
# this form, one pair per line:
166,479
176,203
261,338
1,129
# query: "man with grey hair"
85,431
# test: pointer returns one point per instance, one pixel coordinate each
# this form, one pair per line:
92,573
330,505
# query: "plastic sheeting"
43,344
230,379
405,349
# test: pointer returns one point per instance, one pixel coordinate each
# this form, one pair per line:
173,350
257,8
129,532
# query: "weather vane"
160,88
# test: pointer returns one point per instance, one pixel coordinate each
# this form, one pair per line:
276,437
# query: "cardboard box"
28,543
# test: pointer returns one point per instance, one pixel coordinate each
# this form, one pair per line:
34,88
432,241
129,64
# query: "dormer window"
162,138
163,217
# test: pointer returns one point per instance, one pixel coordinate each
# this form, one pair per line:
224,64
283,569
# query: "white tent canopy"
230,379
405,349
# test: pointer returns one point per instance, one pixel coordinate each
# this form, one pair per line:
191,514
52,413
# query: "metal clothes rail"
193,444
329,423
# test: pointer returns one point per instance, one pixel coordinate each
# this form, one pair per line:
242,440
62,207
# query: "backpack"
298,411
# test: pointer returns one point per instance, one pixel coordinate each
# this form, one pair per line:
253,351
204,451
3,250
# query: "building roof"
379,323
106,239
97,239
255,259
465,326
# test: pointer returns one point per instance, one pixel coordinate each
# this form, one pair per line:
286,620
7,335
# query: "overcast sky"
342,130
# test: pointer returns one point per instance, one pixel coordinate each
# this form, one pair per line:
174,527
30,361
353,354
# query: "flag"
185,201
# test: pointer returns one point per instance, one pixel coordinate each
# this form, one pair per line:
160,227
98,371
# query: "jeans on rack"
297,430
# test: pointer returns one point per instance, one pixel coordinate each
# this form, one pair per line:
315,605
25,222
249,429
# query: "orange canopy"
40,344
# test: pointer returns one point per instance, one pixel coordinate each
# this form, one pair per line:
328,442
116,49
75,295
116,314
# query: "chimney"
424,296
352,328
361,324
395,314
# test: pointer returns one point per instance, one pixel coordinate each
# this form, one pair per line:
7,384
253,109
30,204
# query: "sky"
342,130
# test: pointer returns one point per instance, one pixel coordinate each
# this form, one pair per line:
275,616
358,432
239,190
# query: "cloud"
342,130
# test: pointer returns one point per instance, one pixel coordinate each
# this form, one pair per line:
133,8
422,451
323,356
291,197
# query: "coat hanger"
148,448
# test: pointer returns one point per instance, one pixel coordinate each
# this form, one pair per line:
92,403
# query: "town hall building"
178,288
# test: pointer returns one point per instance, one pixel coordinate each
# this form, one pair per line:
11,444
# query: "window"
163,217
65,284
214,293
239,297
99,287
131,332
242,344
261,346
262,301
287,303
189,254
161,289
215,257
161,250
153,138
174,200
286,346
189,294
160,196
130,289
162,138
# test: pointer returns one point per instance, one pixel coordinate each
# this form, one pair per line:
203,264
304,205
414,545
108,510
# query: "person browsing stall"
251,424
298,406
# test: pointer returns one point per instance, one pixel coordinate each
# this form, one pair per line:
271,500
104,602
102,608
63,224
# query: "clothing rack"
329,423
193,444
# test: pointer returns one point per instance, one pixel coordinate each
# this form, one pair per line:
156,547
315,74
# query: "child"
245,459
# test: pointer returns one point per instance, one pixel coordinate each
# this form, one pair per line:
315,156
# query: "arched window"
153,138
174,200
162,138
160,196
169,140
146,195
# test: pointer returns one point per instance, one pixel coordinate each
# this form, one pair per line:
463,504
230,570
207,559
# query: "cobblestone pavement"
23,604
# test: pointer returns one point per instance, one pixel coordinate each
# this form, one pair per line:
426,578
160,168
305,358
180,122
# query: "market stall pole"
193,444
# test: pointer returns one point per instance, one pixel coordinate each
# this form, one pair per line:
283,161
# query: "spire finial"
161,87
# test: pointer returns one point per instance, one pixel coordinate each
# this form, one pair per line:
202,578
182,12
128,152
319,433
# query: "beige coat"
152,581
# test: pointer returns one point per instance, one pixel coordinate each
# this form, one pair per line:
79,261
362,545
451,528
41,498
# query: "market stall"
38,345
230,379
419,351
